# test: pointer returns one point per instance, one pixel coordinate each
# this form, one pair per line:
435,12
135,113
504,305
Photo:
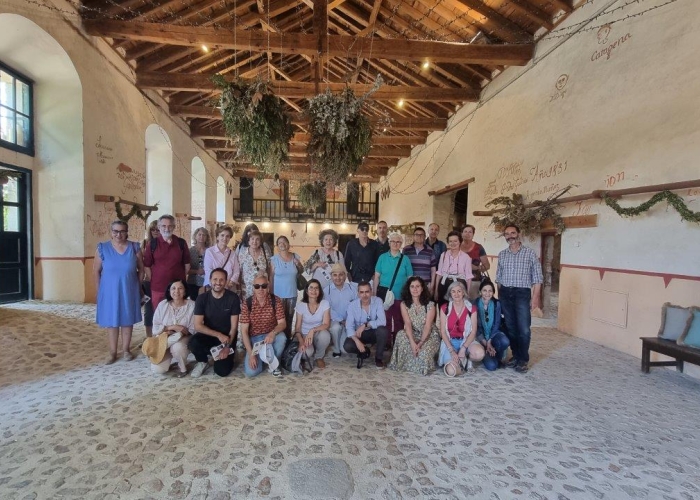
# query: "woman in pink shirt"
454,265
220,255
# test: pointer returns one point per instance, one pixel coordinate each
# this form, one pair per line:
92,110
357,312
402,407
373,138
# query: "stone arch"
58,167
220,199
159,169
199,193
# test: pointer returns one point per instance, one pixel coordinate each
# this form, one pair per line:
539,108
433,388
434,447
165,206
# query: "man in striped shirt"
422,258
519,278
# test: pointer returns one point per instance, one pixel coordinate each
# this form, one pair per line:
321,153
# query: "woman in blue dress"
118,270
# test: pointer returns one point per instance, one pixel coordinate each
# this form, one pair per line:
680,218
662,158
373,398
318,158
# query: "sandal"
181,374
111,359
128,356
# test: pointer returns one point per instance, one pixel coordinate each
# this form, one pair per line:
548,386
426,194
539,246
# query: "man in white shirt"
339,294
366,323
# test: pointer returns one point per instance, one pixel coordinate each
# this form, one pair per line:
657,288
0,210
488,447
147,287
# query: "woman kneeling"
457,320
489,333
174,318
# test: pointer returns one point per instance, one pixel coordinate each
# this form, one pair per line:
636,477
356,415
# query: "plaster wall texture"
608,108
90,139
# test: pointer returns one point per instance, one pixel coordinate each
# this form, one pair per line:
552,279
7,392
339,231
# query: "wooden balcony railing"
279,210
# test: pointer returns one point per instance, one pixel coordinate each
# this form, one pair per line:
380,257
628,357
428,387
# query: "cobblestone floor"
584,423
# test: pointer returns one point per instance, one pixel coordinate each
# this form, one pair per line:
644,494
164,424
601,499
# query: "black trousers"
148,307
200,345
377,337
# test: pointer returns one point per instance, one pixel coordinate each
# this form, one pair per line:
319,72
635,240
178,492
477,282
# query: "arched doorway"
159,169
57,236
220,200
199,193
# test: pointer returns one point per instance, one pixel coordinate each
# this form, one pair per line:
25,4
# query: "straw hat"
155,347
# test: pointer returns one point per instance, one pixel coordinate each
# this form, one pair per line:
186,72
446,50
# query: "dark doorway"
343,240
269,238
14,235
460,210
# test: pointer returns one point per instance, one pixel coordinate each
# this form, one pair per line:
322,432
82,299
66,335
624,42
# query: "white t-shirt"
308,320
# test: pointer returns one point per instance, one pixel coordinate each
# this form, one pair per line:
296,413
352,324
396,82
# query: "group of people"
429,303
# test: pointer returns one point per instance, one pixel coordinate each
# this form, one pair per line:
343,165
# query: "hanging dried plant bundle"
530,220
311,195
256,121
341,136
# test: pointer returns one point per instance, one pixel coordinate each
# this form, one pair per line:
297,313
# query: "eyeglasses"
258,286
397,242
363,230
114,231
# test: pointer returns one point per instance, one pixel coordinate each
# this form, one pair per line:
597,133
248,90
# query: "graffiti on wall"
133,181
103,152
610,43
560,89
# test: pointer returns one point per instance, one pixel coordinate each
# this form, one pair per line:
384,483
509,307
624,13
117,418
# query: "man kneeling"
262,320
366,323
216,322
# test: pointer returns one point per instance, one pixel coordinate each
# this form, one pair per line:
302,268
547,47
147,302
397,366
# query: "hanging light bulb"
205,49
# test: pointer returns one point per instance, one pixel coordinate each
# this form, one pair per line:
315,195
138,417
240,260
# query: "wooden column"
548,256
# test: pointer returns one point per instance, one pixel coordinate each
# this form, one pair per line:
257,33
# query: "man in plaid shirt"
519,278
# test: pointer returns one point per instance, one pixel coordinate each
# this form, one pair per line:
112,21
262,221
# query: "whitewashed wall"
613,107
113,122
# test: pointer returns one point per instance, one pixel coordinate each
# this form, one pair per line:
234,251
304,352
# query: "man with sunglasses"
262,320
361,255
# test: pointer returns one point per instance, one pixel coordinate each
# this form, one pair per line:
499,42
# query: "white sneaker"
198,369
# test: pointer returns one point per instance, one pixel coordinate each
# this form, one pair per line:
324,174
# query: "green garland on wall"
673,199
135,210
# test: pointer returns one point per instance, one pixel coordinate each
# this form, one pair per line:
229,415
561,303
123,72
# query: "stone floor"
584,423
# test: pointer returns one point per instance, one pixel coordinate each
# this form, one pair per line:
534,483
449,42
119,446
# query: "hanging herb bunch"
528,217
256,121
341,136
311,195
135,211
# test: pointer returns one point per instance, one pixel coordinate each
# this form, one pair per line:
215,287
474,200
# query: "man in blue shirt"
519,278
438,246
339,294
366,323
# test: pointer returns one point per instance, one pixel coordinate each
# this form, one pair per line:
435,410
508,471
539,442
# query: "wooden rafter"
203,83
297,43
399,123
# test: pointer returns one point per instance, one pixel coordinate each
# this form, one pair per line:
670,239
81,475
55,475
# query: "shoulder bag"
385,293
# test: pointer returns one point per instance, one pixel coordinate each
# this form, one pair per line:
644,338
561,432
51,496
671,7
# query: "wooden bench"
669,348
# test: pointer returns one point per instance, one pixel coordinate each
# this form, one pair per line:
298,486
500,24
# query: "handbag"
301,280
385,293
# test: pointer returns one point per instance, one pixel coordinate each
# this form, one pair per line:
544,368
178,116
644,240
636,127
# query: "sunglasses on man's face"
258,286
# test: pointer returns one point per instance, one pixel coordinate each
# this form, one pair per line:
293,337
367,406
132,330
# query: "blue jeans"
515,304
501,343
277,346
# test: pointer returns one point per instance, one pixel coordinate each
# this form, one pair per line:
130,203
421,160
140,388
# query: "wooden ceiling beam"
203,83
217,133
379,165
534,14
494,22
423,20
297,43
300,150
300,175
321,34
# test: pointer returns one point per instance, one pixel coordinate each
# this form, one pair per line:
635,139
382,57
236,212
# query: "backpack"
154,245
290,351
